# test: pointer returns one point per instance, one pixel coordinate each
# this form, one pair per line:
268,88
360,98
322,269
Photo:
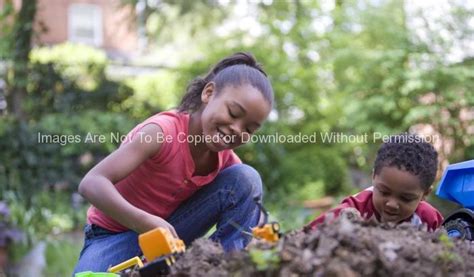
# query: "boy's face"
397,194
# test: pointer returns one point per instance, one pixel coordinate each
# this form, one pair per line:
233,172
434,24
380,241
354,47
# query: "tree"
19,47
397,75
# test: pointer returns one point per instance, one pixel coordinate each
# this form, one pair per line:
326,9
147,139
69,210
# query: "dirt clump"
347,246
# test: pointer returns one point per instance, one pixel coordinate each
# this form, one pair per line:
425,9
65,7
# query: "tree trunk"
22,37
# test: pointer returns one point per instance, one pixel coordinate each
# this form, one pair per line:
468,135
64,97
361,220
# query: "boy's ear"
373,174
427,192
207,92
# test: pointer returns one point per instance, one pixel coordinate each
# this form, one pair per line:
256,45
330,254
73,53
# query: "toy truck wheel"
460,228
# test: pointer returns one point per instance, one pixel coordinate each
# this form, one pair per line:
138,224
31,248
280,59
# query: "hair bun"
239,58
246,58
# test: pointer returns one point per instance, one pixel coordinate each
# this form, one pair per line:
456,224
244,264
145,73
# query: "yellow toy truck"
160,249
269,232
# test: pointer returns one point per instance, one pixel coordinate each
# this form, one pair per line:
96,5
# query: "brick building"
104,24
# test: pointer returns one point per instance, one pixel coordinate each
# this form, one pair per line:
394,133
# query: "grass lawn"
62,254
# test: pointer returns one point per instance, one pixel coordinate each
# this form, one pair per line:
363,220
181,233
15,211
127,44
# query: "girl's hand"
153,222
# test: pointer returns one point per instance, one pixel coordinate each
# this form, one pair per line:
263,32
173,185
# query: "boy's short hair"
411,153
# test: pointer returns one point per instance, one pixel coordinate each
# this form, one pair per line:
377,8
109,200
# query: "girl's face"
232,116
397,194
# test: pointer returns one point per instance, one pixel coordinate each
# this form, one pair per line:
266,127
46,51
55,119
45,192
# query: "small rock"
326,246
388,249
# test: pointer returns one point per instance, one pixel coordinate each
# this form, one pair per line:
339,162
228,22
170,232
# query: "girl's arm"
98,184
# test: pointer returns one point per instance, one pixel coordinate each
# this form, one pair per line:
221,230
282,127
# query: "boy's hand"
351,213
153,222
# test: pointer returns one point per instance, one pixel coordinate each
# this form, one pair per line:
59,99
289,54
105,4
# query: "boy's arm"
329,215
429,215
360,202
99,189
437,221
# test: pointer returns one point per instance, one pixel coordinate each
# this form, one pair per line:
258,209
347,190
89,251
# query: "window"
85,24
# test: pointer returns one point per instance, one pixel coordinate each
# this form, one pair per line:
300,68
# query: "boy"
404,169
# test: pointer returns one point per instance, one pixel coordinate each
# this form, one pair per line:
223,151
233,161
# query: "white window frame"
96,14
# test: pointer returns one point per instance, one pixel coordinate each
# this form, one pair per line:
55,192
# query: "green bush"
70,78
308,173
152,93
50,214
81,64
38,183
42,164
61,256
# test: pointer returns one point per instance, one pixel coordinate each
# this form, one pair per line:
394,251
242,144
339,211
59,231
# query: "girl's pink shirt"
161,183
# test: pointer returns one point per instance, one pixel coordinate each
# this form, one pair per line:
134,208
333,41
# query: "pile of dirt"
346,247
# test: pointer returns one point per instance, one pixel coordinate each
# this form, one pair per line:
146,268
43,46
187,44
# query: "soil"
348,246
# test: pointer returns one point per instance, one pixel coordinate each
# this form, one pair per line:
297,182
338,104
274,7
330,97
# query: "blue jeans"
229,198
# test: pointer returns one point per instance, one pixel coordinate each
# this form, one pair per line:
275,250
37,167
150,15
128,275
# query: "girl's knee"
102,251
248,179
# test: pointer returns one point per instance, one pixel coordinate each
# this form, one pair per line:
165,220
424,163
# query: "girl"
177,170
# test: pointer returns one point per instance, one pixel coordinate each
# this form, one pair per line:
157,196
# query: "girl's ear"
427,192
207,92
